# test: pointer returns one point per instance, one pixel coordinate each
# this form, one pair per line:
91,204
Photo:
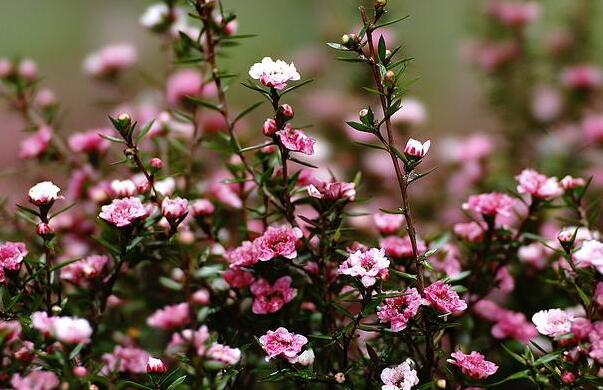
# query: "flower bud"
6,68
416,149
566,239
80,371
28,70
44,230
345,39
56,310
568,377
44,193
389,78
155,366
286,111
364,112
380,3
202,208
441,383
306,358
156,163
201,297
174,209
269,127
340,377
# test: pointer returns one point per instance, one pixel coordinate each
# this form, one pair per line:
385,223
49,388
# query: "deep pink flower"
123,212
444,299
82,272
530,182
238,278
274,74
224,354
271,298
388,223
35,380
125,359
490,204
281,342
296,140
155,365
245,255
581,328
11,256
36,144
269,127
278,241
399,310
582,76
170,317
401,377
553,322
473,365
368,266
10,331
401,247
332,190
89,141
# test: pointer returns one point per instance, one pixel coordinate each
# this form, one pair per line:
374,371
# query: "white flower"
306,358
553,322
71,330
401,377
123,188
590,254
274,74
166,186
44,193
154,15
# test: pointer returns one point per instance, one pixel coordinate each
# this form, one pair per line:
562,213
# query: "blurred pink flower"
35,145
170,317
271,298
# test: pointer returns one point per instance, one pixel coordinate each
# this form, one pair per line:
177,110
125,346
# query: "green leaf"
203,103
176,382
360,126
286,91
391,22
247,111
369,145
402,274
337,46
381,48
125,384
517,375
76,351
144,131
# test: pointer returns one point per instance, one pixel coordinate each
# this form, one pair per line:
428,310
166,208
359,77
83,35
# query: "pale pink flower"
514,325
590,254
401,247
36,144
281,342
11,256
28,70
504,280
35,380
473,365
155,16
490,204
201,297
82,272
10,331
582,76
592,126
274,74
596,342
296,140
125,359
89,141
401,377
514,14
598,297
184,83
226,195
401,309
444,299
547,103
41,322
123,212
368,266
181,340
388,223
332,190
123,188
449,263
45,99
224,354
174,209
271,298
553,322
245,255
237,278
202,208
155,365
416,149
570,183
412,112
278,241
533,254
470,231
530,182
581,328
110,60
44,193
170,317
71,330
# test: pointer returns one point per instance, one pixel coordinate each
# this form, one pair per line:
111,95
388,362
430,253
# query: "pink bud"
156,366
201,297
202,208
28,70
568,377
565,236
417,149
80,371
173,209
6,68
157,163
287,111
44,229
269,127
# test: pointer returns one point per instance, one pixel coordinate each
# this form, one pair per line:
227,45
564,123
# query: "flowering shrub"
204,259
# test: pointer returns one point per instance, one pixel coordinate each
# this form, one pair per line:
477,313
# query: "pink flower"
332,190
444,299
170,317
83,271
11,256
123,212
224,354
539,186
155,365
296,140
553,322
513,325
197,339
581,328
41,322
89,141
202,208
416,149
10,331
201,297
490,204
590,254
412,112
123,188
401,377
184,83
504,280
399,310
592,126
569,182
35,380
269,127
245,255
278,241
174,209
533,254
473,365
281,342
271,298
514,14
70,330
125,359
598,298
368,266
582,76
401,247
274,74
28,70
110,60
35,145
237,278
470,231
44,193
388,223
